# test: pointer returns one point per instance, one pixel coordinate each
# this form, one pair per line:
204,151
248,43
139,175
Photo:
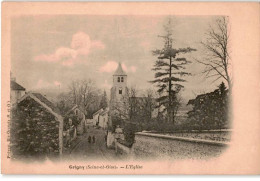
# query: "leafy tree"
131,111
103,102
170,70
75,121
210,110
147,105
129,132
62,105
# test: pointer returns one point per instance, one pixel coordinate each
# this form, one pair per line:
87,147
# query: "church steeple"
119,82
118,91
119,71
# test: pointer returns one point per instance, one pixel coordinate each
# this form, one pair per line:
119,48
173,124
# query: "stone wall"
214,135
122,151
148,145
35,131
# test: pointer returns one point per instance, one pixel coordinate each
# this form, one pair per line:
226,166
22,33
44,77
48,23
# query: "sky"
48,52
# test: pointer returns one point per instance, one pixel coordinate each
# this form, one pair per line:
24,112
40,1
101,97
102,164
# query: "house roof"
98,112
119,70
42,100
47,102
73,108
16,86
104,112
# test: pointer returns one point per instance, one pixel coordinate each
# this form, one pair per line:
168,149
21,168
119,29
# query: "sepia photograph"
113,87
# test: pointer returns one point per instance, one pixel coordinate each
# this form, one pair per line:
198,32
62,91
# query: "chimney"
12,77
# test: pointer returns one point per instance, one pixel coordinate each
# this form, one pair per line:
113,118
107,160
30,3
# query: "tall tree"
170,69
217,59
103,102
85,94
147,105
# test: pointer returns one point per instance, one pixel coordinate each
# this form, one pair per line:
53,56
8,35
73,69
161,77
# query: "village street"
83,150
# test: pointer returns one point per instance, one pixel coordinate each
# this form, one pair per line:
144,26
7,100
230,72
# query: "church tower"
118,94
118,91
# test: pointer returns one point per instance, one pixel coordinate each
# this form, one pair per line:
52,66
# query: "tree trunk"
170,98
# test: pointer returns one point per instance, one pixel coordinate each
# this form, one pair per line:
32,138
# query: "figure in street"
89,139
93,139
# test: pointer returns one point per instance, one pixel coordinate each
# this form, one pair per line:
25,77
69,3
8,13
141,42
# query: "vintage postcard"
130,88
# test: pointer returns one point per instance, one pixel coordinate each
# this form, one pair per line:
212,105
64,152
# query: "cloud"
57,83
111,66
65,53
124,67
47,58
81,45
106,85
44,84
133,69
97,45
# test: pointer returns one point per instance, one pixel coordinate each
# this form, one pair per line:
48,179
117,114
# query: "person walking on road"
93,139
89,139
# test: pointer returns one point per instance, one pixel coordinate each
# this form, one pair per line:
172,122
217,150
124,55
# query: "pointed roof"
43,101
119,70
16,86
73,108
98,112
104,112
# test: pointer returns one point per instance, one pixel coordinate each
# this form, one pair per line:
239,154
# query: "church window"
120,91
122,79
118,79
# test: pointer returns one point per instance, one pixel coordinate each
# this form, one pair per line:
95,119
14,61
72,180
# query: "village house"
17,91
80,114
103,119
89,123
100,118
96,117
69,132
37,126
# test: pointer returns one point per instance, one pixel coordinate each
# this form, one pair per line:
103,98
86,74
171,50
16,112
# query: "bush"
210,110
129,133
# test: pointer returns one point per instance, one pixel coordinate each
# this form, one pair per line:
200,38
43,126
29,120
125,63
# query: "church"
124,106
119,89
118,93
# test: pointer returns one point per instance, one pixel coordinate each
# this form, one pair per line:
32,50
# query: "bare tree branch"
216,46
